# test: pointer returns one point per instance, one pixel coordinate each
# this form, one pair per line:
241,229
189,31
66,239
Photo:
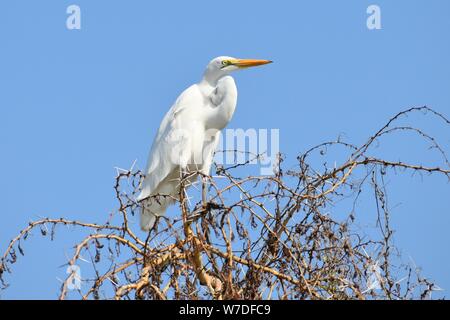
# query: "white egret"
189,134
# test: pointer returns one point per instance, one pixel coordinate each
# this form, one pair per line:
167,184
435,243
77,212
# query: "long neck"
212,76
223,99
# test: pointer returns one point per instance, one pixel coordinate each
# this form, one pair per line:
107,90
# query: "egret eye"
226,63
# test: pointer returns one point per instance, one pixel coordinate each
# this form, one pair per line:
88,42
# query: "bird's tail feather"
156,207
150,210
147,220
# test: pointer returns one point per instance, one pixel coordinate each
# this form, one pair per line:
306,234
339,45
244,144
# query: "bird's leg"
204,191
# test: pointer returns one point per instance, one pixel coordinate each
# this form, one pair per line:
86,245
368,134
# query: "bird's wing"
171,144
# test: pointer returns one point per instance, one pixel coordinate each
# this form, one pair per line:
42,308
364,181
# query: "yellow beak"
247,63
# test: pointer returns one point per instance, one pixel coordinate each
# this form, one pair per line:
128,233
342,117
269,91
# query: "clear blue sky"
75,104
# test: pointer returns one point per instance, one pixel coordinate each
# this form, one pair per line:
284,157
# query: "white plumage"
188,135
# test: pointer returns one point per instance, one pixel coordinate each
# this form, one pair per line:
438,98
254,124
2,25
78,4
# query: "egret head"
222,66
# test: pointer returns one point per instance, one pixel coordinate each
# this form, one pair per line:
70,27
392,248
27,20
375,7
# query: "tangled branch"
255,237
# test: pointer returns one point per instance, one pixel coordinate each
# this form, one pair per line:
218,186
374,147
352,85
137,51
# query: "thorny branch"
255,237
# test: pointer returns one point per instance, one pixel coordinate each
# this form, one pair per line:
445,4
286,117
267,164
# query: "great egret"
189,134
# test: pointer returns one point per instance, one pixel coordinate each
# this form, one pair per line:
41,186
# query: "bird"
188,136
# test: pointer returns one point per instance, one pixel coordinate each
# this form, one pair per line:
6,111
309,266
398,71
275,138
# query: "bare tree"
256,237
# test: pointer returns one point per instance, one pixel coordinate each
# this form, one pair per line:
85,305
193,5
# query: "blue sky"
76,103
